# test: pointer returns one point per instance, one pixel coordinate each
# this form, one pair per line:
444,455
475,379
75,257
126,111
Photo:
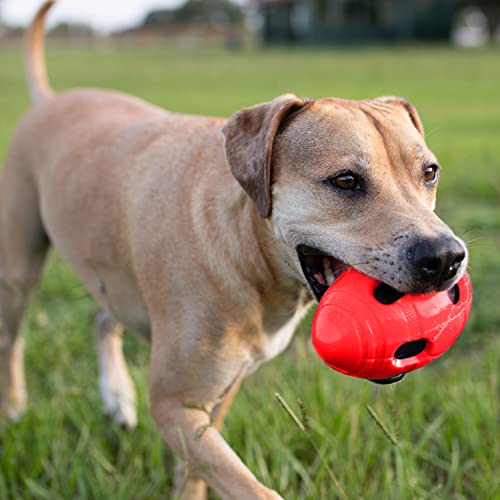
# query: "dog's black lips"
312,262
388,380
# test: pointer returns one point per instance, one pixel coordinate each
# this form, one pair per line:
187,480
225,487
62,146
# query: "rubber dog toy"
366,329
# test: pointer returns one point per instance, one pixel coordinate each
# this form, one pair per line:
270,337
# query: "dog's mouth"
320,269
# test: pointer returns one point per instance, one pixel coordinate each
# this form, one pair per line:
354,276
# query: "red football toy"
366,329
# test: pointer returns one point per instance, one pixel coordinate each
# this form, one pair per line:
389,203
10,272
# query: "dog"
209,237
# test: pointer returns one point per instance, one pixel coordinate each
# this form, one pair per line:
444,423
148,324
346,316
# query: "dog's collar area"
320,269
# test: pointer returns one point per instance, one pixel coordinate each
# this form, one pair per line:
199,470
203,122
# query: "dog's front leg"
190,486
189,432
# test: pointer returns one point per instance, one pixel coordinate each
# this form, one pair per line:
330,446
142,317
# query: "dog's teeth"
320,279
330,278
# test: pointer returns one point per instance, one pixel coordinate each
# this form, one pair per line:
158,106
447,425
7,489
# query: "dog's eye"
431,174
347,181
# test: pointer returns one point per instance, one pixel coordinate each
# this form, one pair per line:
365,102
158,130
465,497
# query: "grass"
443,420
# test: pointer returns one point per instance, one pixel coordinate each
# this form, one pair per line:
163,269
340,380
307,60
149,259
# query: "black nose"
438,260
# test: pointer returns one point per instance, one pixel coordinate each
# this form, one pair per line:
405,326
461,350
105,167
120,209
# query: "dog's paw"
13,403
12,412
120,406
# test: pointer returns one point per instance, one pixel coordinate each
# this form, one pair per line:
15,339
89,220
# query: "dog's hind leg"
23,247
115,384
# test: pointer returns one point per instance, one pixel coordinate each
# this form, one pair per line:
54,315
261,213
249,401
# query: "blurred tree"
491,9
348,21
2,24
198,13
72,30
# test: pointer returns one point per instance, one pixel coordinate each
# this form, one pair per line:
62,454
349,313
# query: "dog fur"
188,236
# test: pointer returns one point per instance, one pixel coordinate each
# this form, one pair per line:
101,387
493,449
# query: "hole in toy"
410,349
454,294
386,295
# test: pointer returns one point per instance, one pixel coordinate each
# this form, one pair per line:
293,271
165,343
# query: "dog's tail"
36,72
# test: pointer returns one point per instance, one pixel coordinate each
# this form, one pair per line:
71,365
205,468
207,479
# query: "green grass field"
444,417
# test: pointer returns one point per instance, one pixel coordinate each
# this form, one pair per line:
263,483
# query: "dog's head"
346,183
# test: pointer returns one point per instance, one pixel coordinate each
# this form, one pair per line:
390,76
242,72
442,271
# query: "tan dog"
207,242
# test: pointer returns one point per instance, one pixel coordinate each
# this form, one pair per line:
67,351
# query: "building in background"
350,21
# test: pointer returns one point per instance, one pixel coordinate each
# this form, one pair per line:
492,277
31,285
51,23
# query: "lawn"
437,432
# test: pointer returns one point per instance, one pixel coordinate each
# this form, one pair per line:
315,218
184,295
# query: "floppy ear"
249,135
412,112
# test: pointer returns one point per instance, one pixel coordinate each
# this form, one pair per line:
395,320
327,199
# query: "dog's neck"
256,274
273,273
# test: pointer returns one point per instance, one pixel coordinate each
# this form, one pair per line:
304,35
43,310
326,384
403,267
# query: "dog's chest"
282,314
276,341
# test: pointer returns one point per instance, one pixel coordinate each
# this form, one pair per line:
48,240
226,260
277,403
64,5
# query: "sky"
103,15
